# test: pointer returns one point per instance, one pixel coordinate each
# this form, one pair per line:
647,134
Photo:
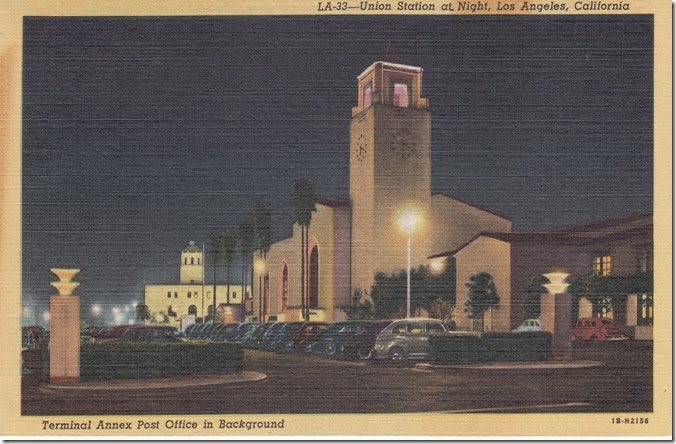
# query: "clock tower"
390,170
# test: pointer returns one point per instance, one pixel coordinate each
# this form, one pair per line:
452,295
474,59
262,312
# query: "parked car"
407,338
597,329
360,345
34,337
243,329
333,339
269,339
283,339
153,334
254,338
112,334
307,334
528,325
227,333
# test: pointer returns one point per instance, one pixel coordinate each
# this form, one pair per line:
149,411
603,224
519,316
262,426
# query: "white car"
528,325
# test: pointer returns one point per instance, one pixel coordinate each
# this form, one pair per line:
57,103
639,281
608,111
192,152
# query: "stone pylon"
64,324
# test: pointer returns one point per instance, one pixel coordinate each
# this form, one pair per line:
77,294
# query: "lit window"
645,309
602,265
367,95
400,95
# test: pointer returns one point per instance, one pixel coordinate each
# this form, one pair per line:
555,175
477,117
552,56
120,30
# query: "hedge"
126,360
490,347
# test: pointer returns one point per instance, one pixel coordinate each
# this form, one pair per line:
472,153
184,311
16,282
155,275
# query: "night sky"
141,134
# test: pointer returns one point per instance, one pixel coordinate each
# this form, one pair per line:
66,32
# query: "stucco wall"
157,301
491,256
454,223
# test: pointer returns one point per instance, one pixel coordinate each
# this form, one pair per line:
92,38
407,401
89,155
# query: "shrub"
490,347
158,359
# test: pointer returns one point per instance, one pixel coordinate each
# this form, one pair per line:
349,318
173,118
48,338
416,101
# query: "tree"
143,313
214,258
228,249
245,240
262,221
531,303
427,289
360,308
303,204
482,295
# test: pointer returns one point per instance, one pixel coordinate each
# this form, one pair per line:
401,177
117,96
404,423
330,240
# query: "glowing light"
134,304
408,221
438,265
27,312
96,309
45,316
116,310
557,284
260,266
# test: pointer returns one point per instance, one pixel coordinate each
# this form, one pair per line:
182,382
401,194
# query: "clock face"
402,142
361,148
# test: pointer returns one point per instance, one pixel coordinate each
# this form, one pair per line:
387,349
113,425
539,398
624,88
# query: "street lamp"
408,221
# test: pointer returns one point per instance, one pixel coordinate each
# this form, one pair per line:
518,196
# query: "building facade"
191,296
618,252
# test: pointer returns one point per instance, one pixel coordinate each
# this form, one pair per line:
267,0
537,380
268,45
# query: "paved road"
310,384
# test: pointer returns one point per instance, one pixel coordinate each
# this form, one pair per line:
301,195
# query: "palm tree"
245,238
228,248
214,260
143,313
303,204
262,218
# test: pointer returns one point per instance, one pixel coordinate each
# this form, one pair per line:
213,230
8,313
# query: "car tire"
364,353
397,355
330,348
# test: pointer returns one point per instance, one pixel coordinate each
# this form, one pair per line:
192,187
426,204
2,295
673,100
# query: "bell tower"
192,265
390,169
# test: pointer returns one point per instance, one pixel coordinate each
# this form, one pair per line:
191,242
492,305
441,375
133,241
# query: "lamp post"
408,220
555,314
260,269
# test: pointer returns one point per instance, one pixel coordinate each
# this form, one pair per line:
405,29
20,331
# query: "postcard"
336,219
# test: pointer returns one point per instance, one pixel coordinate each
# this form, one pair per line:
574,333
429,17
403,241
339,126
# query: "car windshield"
605,322
377,327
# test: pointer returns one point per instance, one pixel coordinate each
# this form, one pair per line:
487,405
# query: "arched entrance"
192,310
313,278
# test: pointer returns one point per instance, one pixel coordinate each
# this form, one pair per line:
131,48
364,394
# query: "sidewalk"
535,365
134,385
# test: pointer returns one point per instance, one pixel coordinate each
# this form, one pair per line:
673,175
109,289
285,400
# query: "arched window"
175,294
313,296
192,310
185,261
192,261
367,95
189,295
199,261
168,294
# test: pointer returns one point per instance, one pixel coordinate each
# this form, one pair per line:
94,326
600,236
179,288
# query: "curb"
134,385
548,365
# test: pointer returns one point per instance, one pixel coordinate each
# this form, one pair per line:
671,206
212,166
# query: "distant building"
191,296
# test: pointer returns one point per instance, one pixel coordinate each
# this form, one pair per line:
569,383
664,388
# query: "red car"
307,334
597,329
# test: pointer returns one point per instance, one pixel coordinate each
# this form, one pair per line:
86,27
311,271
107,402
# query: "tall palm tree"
214,260
303,204
262,217
228,249
245,238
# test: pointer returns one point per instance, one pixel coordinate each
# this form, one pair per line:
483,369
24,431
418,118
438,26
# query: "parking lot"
301,383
